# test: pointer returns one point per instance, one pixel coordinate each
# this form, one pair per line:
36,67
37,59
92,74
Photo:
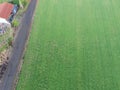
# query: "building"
6,10
4,26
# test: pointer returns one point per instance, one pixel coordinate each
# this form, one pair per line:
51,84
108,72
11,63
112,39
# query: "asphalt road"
18,48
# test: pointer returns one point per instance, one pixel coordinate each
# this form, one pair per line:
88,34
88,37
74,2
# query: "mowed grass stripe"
74,45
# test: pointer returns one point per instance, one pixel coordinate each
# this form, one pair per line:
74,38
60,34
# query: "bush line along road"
19,45
74,45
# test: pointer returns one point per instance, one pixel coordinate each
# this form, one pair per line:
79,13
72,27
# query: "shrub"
24,2
10,41
15,23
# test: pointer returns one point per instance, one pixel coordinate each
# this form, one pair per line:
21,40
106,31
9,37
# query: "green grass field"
74,45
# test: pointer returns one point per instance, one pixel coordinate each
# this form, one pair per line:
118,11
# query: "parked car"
15,9
11,18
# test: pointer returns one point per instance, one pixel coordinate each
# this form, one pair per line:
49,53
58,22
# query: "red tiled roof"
5,10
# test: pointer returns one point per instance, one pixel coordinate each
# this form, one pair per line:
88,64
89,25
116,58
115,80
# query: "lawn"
73,45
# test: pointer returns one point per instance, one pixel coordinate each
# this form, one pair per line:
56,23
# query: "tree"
16,2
